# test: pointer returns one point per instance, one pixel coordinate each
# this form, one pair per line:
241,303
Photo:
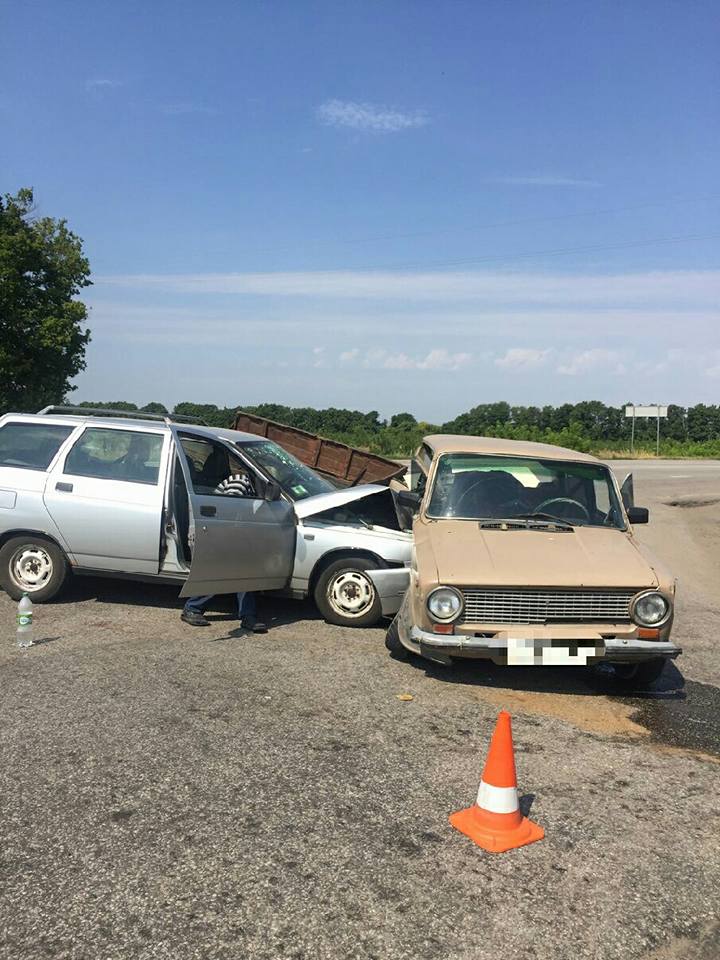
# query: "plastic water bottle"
25,622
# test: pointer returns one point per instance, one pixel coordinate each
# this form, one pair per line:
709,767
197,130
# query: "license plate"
527,652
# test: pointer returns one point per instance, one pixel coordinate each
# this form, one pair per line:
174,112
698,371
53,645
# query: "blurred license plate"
529,652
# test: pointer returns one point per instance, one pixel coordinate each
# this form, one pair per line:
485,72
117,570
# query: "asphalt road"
176,793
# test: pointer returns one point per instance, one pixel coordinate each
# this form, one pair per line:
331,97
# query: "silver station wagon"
99,493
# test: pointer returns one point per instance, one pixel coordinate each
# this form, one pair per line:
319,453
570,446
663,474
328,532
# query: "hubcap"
31,568
351,593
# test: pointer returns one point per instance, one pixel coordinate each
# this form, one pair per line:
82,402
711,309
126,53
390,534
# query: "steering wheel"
516,504
464,494
575,503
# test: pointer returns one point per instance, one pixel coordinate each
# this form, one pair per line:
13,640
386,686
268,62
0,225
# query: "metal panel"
108,524
547,606
238,543
330,457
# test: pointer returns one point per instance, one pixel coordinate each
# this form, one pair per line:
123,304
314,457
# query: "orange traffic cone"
495,822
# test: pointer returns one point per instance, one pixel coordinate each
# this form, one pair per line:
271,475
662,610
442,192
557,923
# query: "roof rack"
122,414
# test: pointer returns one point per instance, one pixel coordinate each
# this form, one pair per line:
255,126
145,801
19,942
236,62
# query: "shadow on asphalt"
576,681
676,712
275,611
134,593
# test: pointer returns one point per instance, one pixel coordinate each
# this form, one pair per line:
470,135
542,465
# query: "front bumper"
529,646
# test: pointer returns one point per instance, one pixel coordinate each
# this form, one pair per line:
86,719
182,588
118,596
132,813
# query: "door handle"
65,487
208,511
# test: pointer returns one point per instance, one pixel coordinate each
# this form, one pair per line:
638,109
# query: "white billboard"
646,410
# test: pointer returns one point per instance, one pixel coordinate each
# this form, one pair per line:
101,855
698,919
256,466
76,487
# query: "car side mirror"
638,514
409,499
273,491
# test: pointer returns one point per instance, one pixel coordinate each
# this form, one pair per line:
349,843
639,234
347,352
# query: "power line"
528,220
556,252
523,221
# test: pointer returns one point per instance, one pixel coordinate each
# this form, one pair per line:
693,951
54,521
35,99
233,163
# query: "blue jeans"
245,604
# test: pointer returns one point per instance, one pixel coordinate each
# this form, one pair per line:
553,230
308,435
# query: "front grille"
547,606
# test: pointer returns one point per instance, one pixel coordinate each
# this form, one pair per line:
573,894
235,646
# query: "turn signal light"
645,633
444,628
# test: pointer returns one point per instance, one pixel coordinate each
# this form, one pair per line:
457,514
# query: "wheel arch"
340,553
29,532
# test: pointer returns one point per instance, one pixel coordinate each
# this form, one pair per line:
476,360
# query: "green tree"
42,339
124,405
405,420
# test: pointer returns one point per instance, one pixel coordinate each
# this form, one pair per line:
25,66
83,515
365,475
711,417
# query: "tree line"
588,425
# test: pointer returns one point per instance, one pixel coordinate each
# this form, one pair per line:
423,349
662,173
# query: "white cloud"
714,369
380,358
598,358
545,181
368,116
185,107
523,358
99,84
663,288
444,360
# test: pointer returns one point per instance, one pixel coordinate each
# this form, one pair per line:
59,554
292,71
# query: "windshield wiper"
545,517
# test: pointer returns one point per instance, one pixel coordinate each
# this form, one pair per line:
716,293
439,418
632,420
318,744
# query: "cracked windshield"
474,487
297,480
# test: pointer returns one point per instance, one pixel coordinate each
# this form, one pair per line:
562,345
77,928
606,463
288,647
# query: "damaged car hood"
584,557
311,506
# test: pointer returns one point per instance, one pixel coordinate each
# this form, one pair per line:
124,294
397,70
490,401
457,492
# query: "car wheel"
640,674
32,565
346,595
393,644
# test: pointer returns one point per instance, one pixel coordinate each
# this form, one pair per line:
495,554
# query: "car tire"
34,565
346,596
393,644
642,674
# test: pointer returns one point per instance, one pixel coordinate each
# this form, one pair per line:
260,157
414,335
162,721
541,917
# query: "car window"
479,487
214,471
296,479
31,446
128,455
417,478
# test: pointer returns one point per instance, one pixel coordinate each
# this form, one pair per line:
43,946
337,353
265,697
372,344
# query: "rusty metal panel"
335,459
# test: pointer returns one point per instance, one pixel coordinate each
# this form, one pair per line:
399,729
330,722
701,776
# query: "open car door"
627,492
237,543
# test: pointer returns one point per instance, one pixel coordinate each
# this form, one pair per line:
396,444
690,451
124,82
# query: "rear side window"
31,446
127,455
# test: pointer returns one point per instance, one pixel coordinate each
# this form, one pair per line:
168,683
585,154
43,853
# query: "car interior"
498,493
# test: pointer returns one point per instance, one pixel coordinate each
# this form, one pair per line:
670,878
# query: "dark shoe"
194,619
251,623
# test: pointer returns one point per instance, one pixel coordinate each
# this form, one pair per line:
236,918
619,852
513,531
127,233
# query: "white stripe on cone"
497,799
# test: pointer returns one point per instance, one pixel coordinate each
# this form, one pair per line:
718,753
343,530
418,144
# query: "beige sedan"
524,554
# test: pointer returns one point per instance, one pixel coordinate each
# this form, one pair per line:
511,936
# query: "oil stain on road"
676,713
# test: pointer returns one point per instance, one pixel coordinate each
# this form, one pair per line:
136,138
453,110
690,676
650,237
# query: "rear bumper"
581,650
390,586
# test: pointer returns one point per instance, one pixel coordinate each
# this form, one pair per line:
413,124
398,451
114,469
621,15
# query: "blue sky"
399,206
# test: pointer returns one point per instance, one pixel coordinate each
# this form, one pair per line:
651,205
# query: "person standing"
236,485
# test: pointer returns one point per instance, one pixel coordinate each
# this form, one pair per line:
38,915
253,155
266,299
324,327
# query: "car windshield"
296,480
476,487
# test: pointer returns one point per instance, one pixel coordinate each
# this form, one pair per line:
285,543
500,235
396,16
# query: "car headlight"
444,604
650,609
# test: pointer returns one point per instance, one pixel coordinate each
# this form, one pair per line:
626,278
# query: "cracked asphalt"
170,792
